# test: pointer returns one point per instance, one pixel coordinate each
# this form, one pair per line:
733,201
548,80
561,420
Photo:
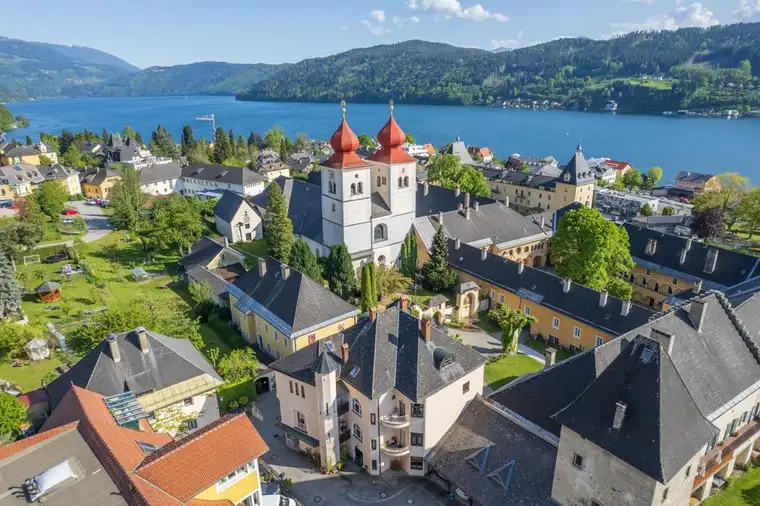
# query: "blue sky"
168,32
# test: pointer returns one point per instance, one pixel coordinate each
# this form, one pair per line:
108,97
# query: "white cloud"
447,9
507,43
748,9
694,14
398,21
344,27
375,29
414,19
378,16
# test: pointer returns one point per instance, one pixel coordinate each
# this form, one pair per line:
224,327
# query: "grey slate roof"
22,150
55,172
740,293
96,175
460,150
662,428
222,174
662,223
440,199
20,173
228,205
528,179
693,177
731,268
295,305
577,171
304,206
385,354
500,442
202,252
170,361
161,172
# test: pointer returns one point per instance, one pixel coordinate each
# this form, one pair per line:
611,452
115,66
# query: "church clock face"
567,177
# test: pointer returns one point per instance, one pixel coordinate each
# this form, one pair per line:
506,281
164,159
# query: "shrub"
243,401
232,405
224,314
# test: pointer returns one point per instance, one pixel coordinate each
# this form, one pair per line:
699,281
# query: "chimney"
697,314
467,212
620,408
440,217
651,247
666,339
467,199
697,286
142,336
425,188
226,242
483,254
476,206
566,284
625,308
344,352
372,314
113,348
460,207
425,328
550,357
262,267
457,243
520,267
285,270
711,261
457,191
684,251
542,221
404,304
506,201
602,298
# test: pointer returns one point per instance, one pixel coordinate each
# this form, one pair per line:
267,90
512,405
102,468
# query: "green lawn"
420,295
541,346
743,491
257,248
28,377
506,369
234,391
485,323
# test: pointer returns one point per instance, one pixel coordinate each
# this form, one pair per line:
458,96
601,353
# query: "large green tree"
732,187
239,365
591,250
367,290
633,179
13,338
222,149
127,200
176,223
303,260
340,272
187,143
749,211
162,142
438,276
409,255
12,417
278,229
51,197
448,171
653,177
10,290
511,321
274,138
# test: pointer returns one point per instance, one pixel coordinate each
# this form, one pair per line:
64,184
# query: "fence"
284,489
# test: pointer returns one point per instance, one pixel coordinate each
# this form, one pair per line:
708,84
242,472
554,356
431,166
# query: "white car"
90,202
277,500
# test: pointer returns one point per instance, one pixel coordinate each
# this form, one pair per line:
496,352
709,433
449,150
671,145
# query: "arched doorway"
438,318
262,385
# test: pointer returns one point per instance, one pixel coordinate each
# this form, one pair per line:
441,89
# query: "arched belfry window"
381,232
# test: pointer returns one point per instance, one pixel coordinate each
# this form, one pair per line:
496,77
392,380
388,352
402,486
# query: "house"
416,150
677,224
459,150
283,310
203,177
697,182
130,153
603,171
97,183
430,149
623,205
391,385
214,263
272,171
68,178
654,415
482,155
533,192
14,154
168,377
268,156
236,219
161,179
620,167
667,264
19,180
89,453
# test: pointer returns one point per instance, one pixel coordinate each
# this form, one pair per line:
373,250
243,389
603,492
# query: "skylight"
479,458
354,372
503,475
330,346
646,355
147,447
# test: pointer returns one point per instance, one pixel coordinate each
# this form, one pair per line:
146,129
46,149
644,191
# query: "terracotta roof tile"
14,448
33,397
188,466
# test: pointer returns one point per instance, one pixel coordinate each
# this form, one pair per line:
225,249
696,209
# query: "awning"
295,433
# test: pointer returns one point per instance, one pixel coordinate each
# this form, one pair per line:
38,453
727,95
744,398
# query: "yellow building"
529,193
282,310
12,154
697,182
97,183
19,180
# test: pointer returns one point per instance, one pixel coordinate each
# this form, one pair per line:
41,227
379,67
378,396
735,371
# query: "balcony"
342,407
718,457
395,421
344,436
394,449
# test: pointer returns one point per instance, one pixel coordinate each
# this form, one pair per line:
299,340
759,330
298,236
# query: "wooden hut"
49,291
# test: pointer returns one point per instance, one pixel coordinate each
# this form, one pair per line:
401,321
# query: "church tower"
325,379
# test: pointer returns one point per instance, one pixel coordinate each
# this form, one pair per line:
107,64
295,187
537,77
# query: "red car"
69,212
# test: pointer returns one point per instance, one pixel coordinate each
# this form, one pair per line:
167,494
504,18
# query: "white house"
204,177
416,150
161,179
236,219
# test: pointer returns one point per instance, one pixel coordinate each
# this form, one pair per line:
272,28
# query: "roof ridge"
151,334
740,327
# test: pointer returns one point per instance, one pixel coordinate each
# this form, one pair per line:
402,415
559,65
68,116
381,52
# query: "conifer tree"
373,297
366,288
283,151
340,271
409,255
439,277
188,141
10,290
221,146
278,229
303,260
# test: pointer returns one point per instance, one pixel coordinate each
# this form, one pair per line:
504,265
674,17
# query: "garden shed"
139,274
37,349
49,291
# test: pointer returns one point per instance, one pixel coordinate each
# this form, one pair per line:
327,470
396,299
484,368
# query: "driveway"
345,489
98,225
489,344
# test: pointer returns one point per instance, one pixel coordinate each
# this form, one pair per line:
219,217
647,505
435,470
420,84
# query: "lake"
697,144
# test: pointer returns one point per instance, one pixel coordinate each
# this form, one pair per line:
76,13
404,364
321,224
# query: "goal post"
31,259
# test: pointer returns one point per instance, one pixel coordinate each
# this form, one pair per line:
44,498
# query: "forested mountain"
90,55
693,67
205,78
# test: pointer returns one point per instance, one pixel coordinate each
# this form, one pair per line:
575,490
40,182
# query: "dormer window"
651,247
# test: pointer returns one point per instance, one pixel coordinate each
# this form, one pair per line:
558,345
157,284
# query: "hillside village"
371,320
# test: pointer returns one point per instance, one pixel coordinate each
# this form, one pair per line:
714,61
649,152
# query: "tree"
239,365
176,223
162,142
591,250
710,223
278,229
646,210
439,277
283,151
366,141
15,236
127,200
303,260
13,338
222,148
254,142
241,148
369,299
749,211
511,321
198,154
302,142
410,139
200,292
274,138
12,417
620,288
73,157
10,290
29,141
449,172
52,198
46,161
409,255
390,281
213,355
129,132
340,272
653,176
187,143
668,211
632,179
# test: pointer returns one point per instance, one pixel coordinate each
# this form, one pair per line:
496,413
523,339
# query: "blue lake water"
696,144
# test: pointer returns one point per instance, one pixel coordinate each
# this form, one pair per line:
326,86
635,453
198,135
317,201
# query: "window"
147,447
233,476
385,181
526,310
275,336
381,232
191,424
374,444
577,461
356,406
417,410
599,340
188,401
301,422
665,494
400,182
359,188
353,188
501,298
688,471
373,419
649,273
416,463
333,207
577,332
378,181
358,432
675,281
555,323
303,392
466,387
291,386
493,294
416,439
406,181
553,340
574,348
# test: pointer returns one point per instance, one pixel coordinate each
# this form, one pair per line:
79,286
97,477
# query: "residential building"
283,310
416,150
667,264
97,183
459,149
569,315
130,153
236,219
162,179
68,178
387,389
19,180
676,224
14,154
169,378
203,177
268,156
271,171
620,167
89,453
430,149
696,182
530,193
214,263
482,155
603,171
622,205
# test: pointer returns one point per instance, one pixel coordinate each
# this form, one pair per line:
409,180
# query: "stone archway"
438,318
467,300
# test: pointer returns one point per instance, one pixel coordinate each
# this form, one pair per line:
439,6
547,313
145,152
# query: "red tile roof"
190,465
618,165
14,448
33,397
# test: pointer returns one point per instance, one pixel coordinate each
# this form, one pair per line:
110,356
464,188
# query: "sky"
169,32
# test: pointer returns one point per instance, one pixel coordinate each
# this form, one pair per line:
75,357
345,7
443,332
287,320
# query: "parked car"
6,203
104,203
90,202
68,221
70,212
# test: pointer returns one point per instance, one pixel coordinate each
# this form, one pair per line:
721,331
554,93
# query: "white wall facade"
191,186
245,226
163,187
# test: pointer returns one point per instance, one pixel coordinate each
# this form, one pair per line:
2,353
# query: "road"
98,225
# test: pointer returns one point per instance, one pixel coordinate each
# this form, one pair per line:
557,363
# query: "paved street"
348,488
98,225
